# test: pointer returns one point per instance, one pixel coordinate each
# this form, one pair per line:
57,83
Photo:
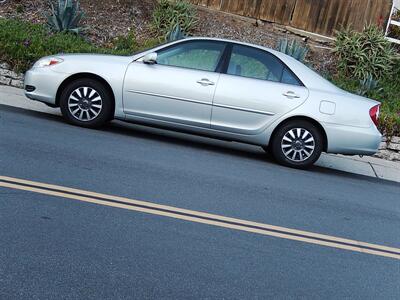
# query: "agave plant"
175,34
293,48
65,16
368,85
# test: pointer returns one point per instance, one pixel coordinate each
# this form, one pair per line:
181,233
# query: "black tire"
300,152
89,105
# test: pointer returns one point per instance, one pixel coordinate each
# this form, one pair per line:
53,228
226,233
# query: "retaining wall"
9,77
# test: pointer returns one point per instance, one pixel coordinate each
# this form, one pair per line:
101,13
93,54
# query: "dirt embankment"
105,20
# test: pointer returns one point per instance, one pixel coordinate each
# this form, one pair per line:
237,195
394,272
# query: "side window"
258,64
199,55
289,78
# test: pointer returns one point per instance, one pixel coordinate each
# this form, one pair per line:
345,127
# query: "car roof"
230,41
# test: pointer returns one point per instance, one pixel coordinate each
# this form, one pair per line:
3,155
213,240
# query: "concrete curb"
15,97
367,166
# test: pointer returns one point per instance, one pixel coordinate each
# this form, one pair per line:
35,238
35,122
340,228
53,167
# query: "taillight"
374,114
53,62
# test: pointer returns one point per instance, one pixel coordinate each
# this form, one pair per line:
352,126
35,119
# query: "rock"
393,146
17,83
10,73
395,157
388,155
4,66
395,139
383,146
9,77
5,80
14,75
5,72
19,77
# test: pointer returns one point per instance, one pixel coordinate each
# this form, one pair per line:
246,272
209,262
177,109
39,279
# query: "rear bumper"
352,140
45,82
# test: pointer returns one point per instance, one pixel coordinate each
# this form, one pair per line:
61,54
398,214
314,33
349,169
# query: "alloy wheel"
85,104
298,144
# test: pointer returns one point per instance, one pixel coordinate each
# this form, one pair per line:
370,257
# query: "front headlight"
47,62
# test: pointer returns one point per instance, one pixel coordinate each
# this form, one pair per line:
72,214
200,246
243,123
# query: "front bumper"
45,82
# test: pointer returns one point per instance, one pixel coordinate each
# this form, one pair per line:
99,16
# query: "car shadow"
235,149
189,141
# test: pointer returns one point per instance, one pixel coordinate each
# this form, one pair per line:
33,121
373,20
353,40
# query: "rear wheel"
297,144
86,103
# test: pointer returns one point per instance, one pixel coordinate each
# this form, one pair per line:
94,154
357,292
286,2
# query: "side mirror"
150,58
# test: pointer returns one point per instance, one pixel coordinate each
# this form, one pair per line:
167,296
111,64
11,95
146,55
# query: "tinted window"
199,55
288,78
258,64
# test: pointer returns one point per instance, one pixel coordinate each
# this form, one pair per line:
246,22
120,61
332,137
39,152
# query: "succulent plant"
368,85
362,53
65,16
175,34
168,13
293,48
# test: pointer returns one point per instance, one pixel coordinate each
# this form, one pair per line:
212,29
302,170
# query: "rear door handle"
205,82
291,95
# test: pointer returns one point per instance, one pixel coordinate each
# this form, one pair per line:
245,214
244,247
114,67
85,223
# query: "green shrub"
127,42
169,13
65,16
363,53
293,48
19,9
23,43
389,123
129,45
148,44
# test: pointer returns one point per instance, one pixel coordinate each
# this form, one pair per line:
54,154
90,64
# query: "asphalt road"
55,247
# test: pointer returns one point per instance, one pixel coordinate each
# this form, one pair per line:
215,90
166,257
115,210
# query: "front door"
180,87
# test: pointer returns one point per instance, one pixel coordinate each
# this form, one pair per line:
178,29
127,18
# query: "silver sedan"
219,88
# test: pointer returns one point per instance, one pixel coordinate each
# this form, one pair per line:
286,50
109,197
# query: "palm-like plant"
65,16
293,48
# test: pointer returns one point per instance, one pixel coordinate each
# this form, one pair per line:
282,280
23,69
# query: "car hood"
94,57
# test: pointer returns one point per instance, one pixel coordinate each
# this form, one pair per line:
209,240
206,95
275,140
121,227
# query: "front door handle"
205,82
291,95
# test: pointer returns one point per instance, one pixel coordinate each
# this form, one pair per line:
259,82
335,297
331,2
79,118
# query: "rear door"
180,87
256,89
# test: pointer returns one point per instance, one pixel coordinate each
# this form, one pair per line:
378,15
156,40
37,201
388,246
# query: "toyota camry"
212,87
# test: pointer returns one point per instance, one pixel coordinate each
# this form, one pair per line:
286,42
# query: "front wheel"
86,103
297,144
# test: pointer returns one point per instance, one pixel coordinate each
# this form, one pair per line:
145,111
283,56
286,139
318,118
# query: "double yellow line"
199,217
